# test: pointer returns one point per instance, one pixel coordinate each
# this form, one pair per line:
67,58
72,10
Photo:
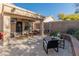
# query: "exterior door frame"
19,27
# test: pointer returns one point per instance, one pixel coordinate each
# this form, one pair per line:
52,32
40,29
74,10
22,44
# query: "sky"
49,9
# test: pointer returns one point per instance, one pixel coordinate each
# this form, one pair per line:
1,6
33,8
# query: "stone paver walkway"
33,47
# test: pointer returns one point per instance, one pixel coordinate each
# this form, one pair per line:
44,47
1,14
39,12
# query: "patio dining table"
53,42
61,41
49,43
55,38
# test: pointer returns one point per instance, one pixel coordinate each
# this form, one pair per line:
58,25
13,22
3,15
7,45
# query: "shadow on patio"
34,47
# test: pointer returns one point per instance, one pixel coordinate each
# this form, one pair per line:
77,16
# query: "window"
27,26
13,20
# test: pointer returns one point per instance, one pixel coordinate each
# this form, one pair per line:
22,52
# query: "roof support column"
23,26
6,30
42,28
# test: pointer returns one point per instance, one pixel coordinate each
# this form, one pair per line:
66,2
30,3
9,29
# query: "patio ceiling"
22,17
18,12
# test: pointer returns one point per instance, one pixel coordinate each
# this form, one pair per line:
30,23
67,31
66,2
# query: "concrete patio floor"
33,47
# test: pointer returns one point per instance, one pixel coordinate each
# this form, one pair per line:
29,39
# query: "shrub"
76,34
71,31
54,33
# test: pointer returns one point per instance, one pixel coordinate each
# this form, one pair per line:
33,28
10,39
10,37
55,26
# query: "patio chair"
17,35
49,43
62,40
12,35
26,34
35,32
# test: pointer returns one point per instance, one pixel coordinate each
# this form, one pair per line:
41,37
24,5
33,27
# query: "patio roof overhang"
18,12
22,17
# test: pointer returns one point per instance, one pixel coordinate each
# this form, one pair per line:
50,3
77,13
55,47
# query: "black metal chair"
49,43
62,41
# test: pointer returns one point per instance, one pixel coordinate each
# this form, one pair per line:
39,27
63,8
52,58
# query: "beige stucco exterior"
10,11
6,29
1,23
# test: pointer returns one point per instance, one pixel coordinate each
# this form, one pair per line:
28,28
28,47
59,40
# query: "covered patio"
17,22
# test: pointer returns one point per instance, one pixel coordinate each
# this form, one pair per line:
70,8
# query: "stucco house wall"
6,29
36,25
1,23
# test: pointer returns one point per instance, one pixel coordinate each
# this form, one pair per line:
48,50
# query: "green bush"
71,31
54,33
76,34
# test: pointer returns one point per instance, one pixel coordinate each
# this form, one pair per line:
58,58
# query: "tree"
61,16
69,17
76,7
